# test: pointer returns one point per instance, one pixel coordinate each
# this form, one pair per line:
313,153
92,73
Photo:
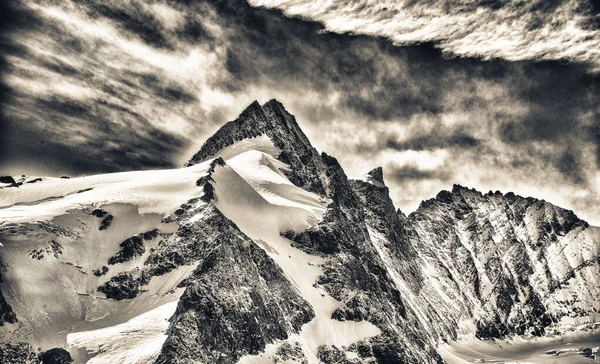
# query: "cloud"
411,173
119,90
512,29
434,141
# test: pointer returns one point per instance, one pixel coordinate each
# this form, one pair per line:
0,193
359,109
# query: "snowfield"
135,341
158,192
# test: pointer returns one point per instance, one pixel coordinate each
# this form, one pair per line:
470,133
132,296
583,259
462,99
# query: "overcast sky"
492,94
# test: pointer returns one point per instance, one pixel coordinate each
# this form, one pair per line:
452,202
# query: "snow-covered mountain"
261,250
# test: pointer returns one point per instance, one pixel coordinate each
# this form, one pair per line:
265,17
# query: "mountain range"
262,250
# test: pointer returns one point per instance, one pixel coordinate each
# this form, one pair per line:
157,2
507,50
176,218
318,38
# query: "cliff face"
235,302
521,263
261,249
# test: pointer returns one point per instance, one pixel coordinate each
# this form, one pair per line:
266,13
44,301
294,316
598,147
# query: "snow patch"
136,341
259,144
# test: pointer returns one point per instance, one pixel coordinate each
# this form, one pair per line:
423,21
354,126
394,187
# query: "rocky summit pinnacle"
272,120
376,175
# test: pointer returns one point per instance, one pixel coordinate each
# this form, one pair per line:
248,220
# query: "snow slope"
263,213
54,293
135,341
158,191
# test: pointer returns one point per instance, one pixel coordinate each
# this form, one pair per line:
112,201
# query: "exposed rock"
55,249
328,354
236,302
130,248
99,212
7,179
19,353
122,286
56,356
100,272
105,224
376,175
208,192
6,312
289,352
149,235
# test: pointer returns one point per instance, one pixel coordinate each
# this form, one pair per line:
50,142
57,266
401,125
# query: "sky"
491,94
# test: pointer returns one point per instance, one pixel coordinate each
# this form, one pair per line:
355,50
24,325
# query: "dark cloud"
435,141
152,82
412,173
557,96
12,18
134,19
570,165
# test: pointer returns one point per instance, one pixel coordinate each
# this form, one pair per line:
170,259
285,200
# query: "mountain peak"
253,107
274,121
376,175
273,102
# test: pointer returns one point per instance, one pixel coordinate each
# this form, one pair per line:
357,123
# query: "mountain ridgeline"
511,265
337,275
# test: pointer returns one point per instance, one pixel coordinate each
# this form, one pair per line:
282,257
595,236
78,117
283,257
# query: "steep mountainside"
262,250
531,263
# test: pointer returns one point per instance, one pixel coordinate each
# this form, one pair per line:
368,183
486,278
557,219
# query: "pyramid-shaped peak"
255,112
252,108
274,121
375,177
376,174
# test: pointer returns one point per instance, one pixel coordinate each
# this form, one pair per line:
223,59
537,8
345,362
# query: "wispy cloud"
512,29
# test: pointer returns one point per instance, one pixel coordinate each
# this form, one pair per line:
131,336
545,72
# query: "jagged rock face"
6,312
236,302
396,242
356,274
19,353
465,255
272,120
511,261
